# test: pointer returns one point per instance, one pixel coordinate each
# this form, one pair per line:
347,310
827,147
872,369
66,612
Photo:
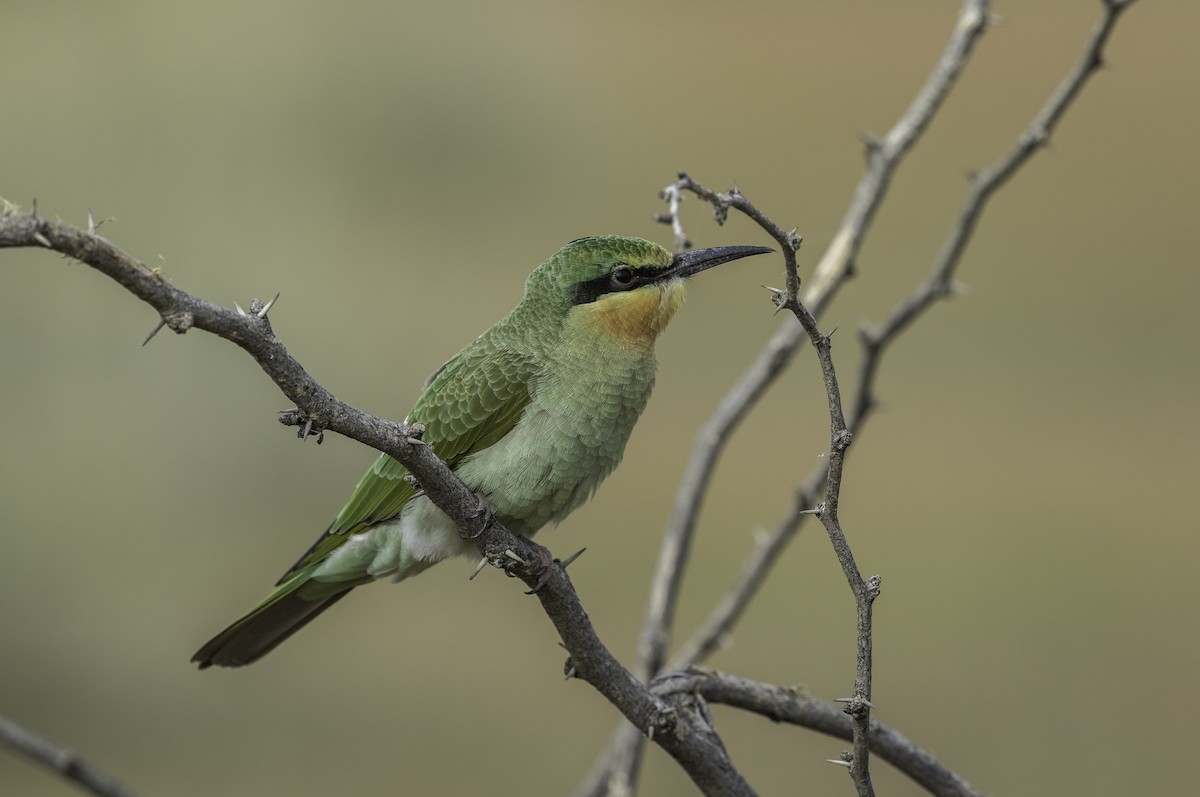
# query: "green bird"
532,416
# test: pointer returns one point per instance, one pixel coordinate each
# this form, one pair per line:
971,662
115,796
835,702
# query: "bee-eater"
532,416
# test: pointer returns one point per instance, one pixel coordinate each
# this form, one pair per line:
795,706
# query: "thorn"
162,322
33,213
511,555
307,429
239,309
569,669
816,510
267,307
871,145
858,700
778,298
478,568
43,240
565,563
837,761
91,223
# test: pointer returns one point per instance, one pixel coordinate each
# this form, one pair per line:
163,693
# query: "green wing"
470,403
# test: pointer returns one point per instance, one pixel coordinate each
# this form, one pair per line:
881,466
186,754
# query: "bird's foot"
482,516
547,564
516,566
545,567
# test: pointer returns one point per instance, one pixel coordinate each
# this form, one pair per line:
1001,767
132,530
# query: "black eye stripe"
590,290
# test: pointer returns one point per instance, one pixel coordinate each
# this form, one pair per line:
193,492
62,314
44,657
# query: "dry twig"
66,763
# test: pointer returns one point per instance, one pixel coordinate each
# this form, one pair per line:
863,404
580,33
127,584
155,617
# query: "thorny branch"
793,706
616,769
684,735
865,591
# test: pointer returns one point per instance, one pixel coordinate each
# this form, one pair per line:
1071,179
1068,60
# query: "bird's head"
624,288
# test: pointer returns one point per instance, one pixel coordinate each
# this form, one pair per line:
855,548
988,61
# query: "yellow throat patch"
635,318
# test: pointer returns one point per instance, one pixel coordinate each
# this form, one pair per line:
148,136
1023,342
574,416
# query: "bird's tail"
289,608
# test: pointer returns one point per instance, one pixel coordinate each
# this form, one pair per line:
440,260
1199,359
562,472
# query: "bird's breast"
571,436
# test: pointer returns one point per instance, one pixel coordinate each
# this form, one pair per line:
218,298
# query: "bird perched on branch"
532,416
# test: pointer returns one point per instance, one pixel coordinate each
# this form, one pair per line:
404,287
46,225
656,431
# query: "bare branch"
865,590
66,763
673,554
884,155
984,184
780,704
710,636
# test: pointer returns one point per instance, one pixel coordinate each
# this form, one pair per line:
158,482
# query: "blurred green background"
396,170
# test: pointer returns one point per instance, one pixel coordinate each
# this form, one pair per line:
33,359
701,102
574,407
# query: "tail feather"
257,634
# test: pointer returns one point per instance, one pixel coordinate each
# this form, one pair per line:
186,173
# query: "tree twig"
884,155
858,706
69,765
718,626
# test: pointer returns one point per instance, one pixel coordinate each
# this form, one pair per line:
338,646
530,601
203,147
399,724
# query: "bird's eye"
622,277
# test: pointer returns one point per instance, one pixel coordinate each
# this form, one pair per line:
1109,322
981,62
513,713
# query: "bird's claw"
483,514
546,562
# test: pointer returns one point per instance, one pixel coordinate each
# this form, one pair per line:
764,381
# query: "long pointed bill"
686,264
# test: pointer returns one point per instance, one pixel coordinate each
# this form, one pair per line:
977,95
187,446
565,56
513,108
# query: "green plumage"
532,415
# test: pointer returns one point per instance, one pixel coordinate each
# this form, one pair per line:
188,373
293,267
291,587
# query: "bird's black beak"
685,264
